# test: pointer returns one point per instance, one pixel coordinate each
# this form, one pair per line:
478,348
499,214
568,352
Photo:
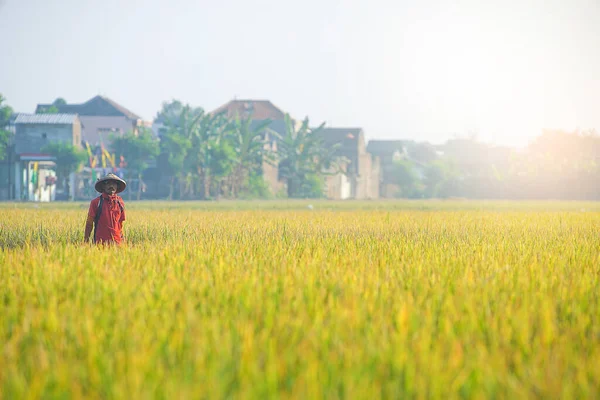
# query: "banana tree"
249,145
182,124
206,139
303,158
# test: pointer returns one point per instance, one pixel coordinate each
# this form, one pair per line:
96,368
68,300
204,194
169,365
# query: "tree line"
201,155
555,165
210,156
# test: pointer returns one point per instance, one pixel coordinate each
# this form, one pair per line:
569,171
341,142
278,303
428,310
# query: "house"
35,171
362,169
260,111
100,117
337,183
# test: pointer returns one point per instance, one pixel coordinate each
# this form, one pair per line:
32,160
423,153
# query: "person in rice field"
107,212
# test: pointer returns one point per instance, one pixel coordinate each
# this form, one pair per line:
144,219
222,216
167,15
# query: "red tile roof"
260,109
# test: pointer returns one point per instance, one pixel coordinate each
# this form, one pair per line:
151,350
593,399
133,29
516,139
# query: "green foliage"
304,160
69,158
209,143
176,147
423,153
257,187
53,108
59,102
313,186
170,113
136,149
222,159
214,157
178,140
48,110
250,151
5,136
5,112
201,143
441,179
406,178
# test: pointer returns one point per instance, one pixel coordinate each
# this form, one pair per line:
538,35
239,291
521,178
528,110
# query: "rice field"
396,299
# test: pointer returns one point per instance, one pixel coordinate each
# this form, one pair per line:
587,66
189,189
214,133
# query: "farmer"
107,212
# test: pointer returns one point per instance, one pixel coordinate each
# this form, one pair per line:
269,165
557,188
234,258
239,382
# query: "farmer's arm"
89,223
89,226
122,219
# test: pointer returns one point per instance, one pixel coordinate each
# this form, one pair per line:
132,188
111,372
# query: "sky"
424,70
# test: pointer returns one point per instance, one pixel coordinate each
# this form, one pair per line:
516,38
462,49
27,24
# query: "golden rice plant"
272,299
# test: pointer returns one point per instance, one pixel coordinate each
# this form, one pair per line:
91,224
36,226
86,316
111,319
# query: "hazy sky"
421,69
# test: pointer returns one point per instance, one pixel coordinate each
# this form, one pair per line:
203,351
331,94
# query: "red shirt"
110,224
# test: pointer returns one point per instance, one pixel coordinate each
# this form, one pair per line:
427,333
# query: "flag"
34,174
90,157
109,157
102,153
